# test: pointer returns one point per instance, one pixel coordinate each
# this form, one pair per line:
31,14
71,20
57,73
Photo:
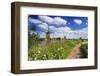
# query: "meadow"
55,48
52,51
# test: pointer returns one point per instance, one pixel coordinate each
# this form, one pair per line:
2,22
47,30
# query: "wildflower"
44,55
35,58
61,47
58,48
39,52
39,48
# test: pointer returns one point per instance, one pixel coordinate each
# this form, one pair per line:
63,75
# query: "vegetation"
33,38
53,50
56,50
84,49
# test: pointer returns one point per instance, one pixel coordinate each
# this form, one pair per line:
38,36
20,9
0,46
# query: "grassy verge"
52,51
84,49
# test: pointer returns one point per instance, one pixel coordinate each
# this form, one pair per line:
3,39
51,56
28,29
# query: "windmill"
46,26
48,32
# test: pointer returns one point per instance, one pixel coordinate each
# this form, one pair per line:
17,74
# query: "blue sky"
58,25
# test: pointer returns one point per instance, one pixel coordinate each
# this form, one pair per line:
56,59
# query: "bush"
84,50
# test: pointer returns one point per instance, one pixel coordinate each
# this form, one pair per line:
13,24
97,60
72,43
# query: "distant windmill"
48,32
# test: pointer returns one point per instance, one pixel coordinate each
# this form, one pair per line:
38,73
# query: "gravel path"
76,53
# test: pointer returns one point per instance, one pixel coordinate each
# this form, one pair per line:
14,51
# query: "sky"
58,26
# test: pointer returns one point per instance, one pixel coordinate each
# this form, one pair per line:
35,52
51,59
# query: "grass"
84,49
52,51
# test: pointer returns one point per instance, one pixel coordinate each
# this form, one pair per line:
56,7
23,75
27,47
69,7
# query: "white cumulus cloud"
55,20
59,20
78,21
46,19
52,28
34,21
86,23
43,26
70,34
63,29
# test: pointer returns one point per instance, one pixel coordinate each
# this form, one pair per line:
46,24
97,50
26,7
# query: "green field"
52,51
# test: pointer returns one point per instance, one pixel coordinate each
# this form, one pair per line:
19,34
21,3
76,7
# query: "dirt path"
76,53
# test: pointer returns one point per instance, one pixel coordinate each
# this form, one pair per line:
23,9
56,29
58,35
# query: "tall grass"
52,51
84,49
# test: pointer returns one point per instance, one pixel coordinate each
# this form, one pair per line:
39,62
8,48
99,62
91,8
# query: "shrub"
84,50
